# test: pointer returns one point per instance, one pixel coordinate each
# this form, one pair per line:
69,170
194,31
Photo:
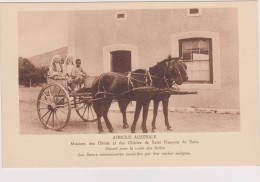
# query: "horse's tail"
94,82
95,85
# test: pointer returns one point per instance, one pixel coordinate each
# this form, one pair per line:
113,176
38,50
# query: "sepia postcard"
137,84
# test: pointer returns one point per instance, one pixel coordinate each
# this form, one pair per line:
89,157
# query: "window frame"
210,58
215,36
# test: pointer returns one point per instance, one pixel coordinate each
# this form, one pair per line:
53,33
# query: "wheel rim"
53,107
84,108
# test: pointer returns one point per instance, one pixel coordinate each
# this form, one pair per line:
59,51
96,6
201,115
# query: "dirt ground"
180,122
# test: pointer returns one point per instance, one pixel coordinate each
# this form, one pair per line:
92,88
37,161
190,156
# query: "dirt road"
180,122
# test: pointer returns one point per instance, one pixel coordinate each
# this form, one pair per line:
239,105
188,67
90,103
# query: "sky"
40,32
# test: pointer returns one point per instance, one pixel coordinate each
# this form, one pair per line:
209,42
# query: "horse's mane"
159,64
153,68
140,71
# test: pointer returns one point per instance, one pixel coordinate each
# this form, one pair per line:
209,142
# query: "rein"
148,81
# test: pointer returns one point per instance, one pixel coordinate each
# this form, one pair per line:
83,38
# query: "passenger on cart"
69,67
78,74
74,75
55,69
63,65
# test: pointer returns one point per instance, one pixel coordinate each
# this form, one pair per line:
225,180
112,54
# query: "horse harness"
148,82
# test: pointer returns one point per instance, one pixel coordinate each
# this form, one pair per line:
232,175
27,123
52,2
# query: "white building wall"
151,32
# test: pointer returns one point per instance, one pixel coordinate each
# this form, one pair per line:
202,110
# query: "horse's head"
171,68
160,68
177,70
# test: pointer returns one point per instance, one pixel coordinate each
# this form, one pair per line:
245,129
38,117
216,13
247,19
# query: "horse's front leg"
106,106
123,103
165,102
100,128
98,109
136,116
155,112
145,114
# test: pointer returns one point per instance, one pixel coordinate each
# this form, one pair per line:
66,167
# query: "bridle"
170,78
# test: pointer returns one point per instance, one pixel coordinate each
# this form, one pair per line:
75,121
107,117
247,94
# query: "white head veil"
69,57
53,64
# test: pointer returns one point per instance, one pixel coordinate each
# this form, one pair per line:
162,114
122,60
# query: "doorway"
120,61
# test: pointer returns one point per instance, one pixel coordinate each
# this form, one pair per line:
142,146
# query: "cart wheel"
84,108
53,106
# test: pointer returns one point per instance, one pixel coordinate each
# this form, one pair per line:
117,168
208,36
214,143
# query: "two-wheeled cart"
55,101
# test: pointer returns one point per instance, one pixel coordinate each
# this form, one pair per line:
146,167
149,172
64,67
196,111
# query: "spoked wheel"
53,106
84,108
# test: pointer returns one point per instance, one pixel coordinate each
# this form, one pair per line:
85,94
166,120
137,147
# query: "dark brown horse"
126,87
180,68
176,74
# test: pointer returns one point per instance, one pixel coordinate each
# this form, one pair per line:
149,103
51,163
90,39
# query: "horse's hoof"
169,128
132,129
111,130
145,131
125,126
153,130
100,132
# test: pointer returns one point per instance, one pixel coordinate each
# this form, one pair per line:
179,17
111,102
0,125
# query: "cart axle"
52,107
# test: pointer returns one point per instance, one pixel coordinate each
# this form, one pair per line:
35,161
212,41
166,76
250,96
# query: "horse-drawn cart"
55,102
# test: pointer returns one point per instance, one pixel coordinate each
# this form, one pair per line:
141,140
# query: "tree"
29,74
